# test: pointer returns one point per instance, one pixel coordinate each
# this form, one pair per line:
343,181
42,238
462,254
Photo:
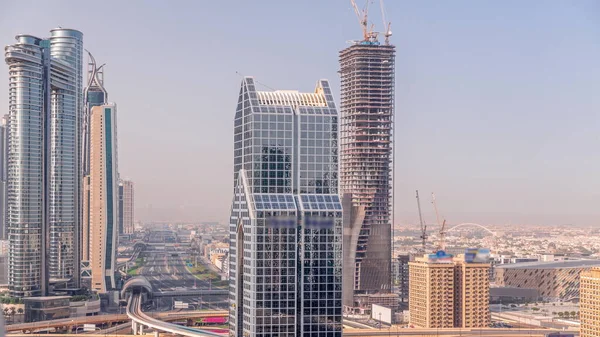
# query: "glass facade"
286,219
43,160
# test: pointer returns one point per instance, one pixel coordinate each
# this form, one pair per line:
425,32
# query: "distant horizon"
496,103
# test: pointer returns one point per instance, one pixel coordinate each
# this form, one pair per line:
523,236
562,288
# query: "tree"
566,314
573,314
535,309
561,314
20,311
6,311
13,312
554,313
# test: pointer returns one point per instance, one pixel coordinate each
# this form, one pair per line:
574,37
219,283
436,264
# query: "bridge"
136,290
112,320
140,320
190,293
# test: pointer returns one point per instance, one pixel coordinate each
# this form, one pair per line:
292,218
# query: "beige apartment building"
431,293
446,292
472,294
589,305
103,197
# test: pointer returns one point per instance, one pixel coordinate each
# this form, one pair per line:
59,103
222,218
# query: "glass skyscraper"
43,171
286,216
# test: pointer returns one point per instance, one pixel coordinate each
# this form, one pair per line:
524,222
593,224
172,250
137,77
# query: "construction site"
366,153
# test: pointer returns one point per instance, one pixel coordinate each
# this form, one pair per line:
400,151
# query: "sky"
497,102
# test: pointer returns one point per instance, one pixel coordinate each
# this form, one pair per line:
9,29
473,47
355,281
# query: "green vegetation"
202,273
139,262
10,300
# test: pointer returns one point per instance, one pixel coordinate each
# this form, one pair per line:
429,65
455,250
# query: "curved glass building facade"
25,167
44,165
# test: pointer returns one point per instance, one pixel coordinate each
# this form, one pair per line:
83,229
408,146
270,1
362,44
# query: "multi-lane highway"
165,268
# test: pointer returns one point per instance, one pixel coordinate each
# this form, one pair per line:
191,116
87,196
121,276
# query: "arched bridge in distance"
471,224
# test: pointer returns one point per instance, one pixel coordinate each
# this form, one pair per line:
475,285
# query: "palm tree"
13,312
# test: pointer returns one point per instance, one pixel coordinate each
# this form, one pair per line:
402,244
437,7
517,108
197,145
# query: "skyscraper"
366,151
286,216
43,161
103,191
94,95
3,160
126,207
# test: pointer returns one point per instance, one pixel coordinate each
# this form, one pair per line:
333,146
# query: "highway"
135,313
165,269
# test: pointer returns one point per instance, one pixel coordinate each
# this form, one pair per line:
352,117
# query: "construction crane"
386,25
442,244
368,34
423,236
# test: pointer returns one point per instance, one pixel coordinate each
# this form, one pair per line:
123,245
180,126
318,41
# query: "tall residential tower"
366,151
286,216
45,100
103,191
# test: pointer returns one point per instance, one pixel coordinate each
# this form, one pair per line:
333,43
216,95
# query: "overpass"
112,319
190,293
140,320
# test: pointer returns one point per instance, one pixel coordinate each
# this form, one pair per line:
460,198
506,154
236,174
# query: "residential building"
126,207
285,256
366,153
103,196
589,303
471,294
43,169
554,280
447,292
3,160
94,95
431,302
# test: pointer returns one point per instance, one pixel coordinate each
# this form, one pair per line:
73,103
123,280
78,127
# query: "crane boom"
442,244
386,25
423,225
362,18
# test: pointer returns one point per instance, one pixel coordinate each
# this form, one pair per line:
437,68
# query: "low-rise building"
46,308
553,280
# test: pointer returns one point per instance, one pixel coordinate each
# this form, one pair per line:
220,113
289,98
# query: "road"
165,269
134,311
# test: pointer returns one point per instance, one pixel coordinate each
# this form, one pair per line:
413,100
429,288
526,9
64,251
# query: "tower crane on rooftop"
368,34
386,25
423,236
442,244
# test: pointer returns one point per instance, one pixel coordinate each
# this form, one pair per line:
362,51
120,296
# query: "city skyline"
506,145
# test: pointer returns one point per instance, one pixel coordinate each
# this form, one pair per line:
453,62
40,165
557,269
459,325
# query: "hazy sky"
497,102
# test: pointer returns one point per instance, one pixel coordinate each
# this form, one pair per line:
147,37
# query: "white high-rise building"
44,163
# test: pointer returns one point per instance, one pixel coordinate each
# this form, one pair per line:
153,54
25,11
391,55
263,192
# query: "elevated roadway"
190,292
110,319
140,320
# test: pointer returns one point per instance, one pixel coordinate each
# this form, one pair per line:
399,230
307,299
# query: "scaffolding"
366,125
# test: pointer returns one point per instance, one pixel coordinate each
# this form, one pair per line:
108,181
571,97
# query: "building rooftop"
552,264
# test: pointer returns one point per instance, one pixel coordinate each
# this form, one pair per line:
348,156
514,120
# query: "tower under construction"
367,116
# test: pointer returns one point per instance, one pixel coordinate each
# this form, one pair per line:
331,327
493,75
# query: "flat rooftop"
552,264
